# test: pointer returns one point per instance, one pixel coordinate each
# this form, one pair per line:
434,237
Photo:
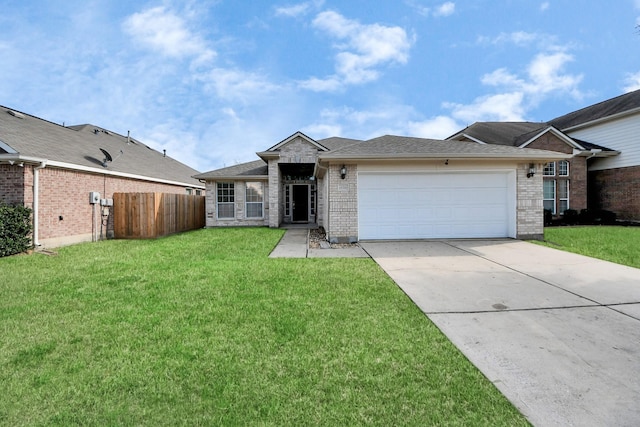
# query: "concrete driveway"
557,333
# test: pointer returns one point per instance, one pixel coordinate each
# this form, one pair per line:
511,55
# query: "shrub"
15,229
597,216
570,216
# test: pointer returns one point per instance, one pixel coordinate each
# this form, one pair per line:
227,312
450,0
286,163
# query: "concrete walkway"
557,333
295,244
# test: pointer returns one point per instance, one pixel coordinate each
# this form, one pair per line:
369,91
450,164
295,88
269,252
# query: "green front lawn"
611,243
203,329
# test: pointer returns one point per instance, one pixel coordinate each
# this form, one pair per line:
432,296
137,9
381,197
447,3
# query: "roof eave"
20,158
598,153
234,177
268,155
602,120
459,156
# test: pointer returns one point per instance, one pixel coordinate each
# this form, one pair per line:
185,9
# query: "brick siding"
577,169
529,206
342,223
65,214
240,207
607,192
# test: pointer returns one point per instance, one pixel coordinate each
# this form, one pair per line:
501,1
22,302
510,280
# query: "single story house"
68,175
391,187
603,172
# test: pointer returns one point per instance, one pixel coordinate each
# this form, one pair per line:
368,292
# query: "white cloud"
237,85
544,77
445,9
362,50
438,127
499,107
167,33
632,82
518,38
544,6
299,9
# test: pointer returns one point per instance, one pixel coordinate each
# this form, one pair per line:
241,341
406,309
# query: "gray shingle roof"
257,168
336,143
620,104
80,145
514,133
403,147
504,133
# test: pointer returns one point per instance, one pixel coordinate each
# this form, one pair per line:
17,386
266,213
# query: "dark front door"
300,203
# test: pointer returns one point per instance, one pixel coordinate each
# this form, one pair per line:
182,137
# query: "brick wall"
342,221
616,190
240,207
12,183
65,215
577,169
529,206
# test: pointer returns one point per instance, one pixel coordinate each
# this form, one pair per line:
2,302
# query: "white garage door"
436,205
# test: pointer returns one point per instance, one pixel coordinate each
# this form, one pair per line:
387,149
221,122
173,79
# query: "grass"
610,243
202,328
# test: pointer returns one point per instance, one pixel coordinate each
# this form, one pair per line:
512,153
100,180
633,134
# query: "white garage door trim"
432,205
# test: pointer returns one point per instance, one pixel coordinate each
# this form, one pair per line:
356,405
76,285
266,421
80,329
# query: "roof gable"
563,137
500,133
295,136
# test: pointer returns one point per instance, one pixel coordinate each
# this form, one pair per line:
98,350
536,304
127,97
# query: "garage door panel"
452,205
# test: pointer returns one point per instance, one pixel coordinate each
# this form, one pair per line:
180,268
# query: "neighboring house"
564,181
614,181
53,170
390,187
604,170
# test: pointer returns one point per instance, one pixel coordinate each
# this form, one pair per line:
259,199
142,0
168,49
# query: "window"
563,195
287,202
226,200
549,195
312,190
254,200
563,168
549,169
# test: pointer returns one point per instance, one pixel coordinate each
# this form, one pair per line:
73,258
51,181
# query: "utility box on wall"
94,197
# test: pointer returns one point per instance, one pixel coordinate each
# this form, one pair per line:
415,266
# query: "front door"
300,195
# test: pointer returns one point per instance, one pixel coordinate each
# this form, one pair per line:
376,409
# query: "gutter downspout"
36,201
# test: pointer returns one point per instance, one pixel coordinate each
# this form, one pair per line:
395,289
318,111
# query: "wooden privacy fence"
149,215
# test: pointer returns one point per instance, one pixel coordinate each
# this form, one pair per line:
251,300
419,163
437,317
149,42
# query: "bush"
15,229
595,217
570,216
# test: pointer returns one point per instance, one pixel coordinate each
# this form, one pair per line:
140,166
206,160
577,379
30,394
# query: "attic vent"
16,114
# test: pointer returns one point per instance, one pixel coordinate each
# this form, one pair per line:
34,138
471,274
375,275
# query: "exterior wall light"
343,171
532,170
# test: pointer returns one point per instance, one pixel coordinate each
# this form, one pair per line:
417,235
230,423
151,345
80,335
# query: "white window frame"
252,199
553,199
225,199
563,164
549,169
563,199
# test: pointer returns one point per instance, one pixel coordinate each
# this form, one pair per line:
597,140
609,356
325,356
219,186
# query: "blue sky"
215,81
